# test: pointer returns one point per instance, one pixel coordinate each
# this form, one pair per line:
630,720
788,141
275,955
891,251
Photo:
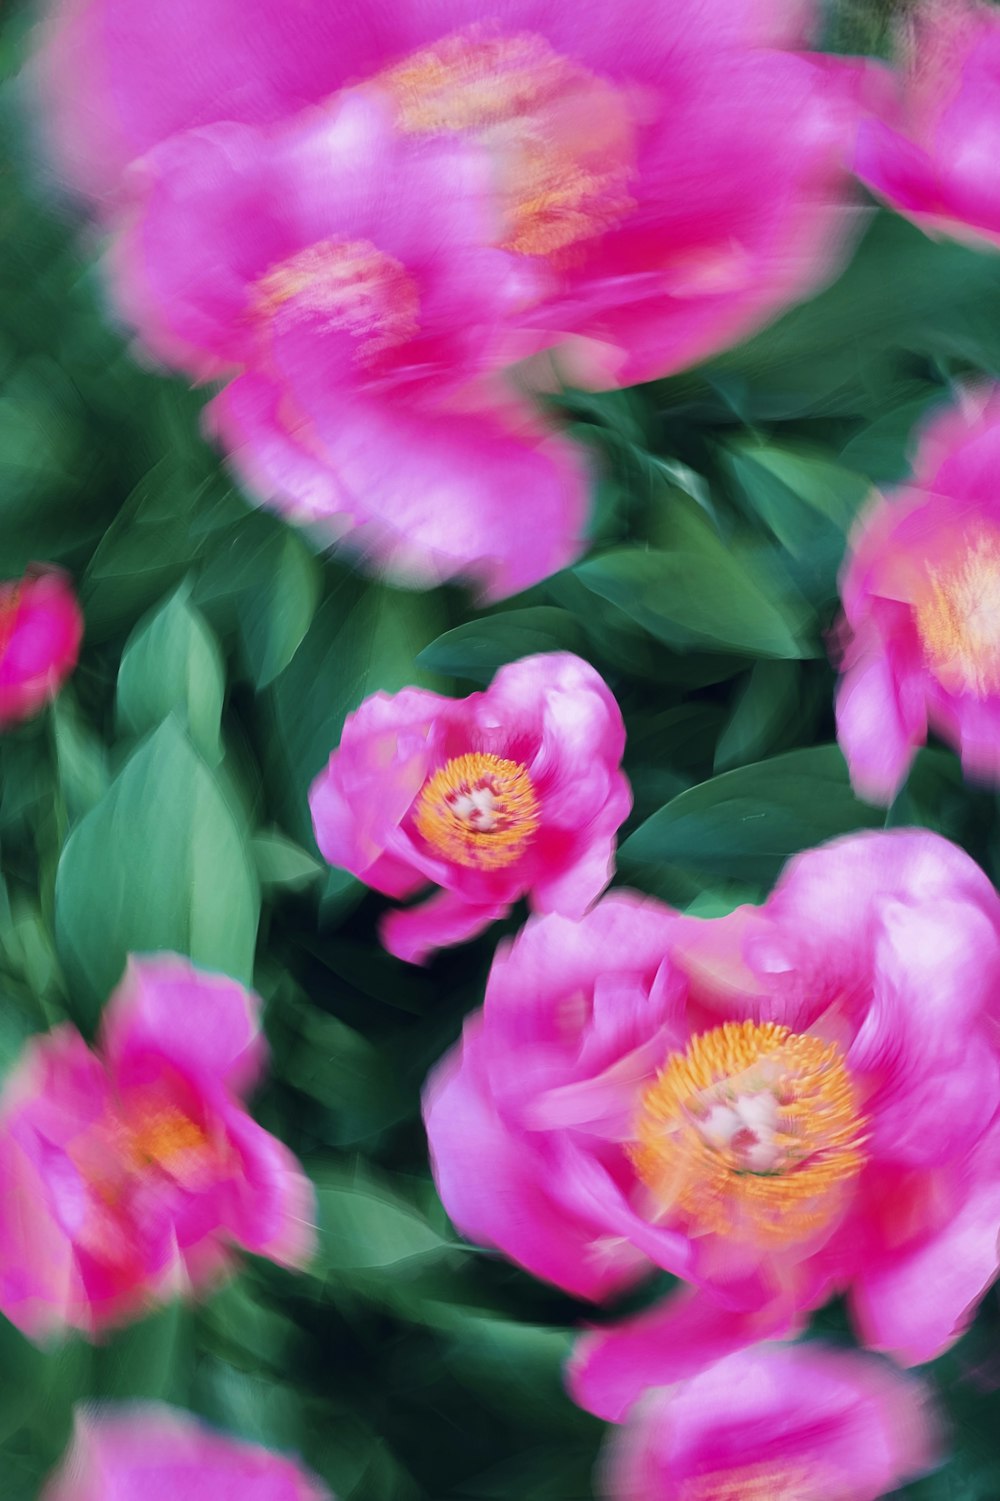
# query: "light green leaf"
172,662
162,862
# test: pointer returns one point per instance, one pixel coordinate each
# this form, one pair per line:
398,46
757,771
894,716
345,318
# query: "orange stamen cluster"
479,810
759,1482
958,619
164,1138
754,1130
351,287
563,136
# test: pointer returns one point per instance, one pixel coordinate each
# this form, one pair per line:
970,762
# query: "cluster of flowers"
363,227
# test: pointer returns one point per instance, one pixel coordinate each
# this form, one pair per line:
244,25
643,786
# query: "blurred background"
161,803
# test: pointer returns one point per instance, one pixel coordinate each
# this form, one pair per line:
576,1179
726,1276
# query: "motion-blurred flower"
511,792
768,1422
126,1175
777,1105
921,594
342,271
641,154
930,148
41,628
142,1451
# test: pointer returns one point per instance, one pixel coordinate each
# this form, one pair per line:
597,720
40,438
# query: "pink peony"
921,597
146,1451
342,272
640,153
513,792
126,1174
930,148
40,632
770,1422
793,1100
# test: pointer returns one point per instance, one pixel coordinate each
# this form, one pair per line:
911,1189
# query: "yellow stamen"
754,1130
478,810
163,1138
958,619
751,1483
563,137
351,287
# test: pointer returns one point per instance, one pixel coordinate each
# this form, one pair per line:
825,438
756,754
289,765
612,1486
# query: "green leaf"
282,862
275,612
702,598
768,706
366,1226
147,1359
172,662
162,862
743,826
477,649
80,757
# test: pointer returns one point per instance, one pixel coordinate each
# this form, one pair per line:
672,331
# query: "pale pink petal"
413,933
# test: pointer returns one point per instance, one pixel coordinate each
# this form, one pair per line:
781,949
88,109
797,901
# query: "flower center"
350,287
163,1138
958,619
478,810
753,1130
563,136
10,606
759,1482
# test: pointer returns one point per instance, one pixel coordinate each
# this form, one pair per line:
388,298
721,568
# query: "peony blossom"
930,146
517,791
145,1451
641,159
768,1422
127,1174
342,273
921,597
790,1101
40,632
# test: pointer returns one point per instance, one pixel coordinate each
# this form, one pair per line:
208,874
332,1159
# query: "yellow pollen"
351,287
759,1482
958,619
163,1138
754,1130
478,810
562,137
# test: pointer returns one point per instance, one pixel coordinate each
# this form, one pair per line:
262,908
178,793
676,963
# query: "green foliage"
163,803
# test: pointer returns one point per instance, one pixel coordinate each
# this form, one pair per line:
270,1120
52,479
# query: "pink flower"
930,149
342,272
144,1451
127,1174
921,596
40,632
770,1422
641,154
797,1099
517,791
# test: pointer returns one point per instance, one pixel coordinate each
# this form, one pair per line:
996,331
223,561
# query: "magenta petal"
147,1451
871,732
612,1368
413,933
916,1301
493,1186
199,1021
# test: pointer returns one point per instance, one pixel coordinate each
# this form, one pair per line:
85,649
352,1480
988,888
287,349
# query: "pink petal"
204,1023
414,933
612,1368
